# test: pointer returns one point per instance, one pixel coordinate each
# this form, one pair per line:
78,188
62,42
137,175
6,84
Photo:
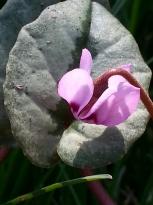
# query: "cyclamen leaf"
14,15
44,51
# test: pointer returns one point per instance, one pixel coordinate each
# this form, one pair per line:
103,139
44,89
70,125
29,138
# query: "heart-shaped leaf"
44,51
84,145
14,15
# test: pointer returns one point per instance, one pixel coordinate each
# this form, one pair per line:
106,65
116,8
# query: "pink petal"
115,80
76,87
126,67
86,60
114,107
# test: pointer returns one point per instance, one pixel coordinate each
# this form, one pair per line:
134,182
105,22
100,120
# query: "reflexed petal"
114,107
115,80
76,87
126,67
86,60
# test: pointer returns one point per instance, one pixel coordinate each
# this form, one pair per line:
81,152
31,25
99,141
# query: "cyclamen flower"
116,103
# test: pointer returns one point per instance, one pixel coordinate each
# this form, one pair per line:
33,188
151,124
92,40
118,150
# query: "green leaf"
55,186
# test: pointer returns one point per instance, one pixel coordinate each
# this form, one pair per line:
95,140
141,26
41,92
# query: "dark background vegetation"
132,182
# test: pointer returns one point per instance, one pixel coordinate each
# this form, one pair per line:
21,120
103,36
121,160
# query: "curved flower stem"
103,79
97,189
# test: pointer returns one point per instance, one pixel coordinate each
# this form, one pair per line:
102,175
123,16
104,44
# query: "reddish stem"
103,79
3,153
98,190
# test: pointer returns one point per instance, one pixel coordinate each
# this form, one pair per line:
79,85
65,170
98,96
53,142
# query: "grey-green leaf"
14,15
44,51
84,145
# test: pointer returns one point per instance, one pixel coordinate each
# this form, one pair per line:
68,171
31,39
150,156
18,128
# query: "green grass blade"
134,16
8,174
22,175
150,61
41,182
55,186
147,196
72,191
118,6
50,198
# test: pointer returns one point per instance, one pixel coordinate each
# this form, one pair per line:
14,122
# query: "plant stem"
55,186
3,153
103,79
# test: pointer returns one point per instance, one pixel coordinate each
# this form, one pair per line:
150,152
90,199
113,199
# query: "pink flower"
116,103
